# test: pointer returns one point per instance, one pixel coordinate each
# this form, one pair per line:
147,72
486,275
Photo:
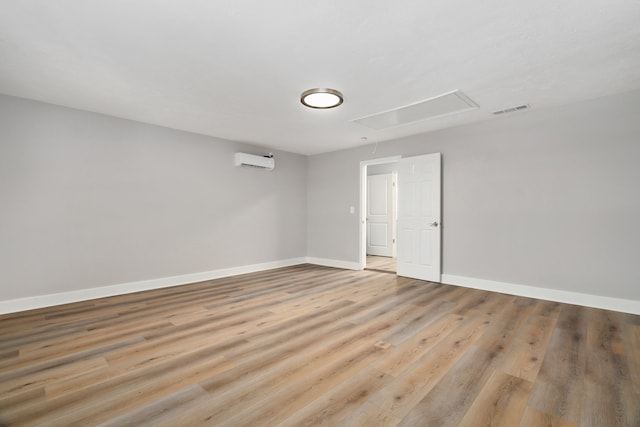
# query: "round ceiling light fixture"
321,99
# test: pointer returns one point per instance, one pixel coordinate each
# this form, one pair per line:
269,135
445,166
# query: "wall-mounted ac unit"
261,162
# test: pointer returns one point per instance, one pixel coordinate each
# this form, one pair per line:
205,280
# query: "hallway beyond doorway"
381,263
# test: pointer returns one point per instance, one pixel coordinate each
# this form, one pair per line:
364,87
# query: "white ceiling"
235,68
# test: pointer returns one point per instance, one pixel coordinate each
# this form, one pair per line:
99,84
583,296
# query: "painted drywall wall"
382,168
89,200
547,198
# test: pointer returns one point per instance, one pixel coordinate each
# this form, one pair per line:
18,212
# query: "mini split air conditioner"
261,162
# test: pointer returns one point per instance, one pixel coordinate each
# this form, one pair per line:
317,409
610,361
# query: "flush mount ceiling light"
321,99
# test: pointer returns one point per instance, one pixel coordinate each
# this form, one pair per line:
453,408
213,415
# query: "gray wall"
382,168
89,200
546,198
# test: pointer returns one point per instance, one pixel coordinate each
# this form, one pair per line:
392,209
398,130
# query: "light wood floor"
381,263
311,345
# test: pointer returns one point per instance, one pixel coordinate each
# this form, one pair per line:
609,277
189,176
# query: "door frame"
363,204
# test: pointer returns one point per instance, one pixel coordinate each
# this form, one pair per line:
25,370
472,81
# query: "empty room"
338,213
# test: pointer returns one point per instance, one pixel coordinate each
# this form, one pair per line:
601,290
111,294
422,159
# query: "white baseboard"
22,304
588,300
336,263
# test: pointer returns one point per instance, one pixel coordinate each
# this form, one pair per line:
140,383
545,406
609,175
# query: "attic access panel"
438,106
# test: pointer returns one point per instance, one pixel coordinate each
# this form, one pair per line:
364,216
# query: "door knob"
434,224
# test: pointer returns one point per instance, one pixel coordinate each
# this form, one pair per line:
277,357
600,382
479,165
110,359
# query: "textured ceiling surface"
235,69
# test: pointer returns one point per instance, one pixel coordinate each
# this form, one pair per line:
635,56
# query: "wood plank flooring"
309,345
381,263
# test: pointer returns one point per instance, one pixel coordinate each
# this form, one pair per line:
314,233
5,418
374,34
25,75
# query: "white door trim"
363,203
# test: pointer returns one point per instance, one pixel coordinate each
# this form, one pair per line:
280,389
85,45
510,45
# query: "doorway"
378,214
418,220
381,217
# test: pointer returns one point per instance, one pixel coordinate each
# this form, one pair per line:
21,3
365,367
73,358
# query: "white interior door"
380,215
419,186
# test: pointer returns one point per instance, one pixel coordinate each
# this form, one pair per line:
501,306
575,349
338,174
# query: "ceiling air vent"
512,109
